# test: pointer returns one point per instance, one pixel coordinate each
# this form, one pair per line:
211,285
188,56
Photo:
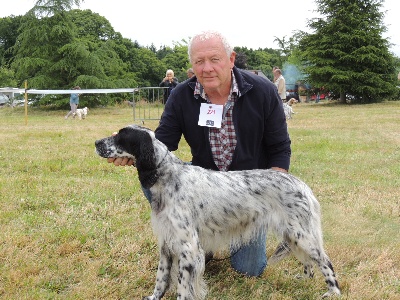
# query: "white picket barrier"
147,102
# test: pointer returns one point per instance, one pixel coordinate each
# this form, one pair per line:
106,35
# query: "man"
280,83
249,132
189,73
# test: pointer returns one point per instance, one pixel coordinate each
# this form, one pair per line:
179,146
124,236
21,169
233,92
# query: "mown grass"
75,227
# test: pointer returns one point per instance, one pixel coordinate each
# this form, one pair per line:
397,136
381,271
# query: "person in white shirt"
280,83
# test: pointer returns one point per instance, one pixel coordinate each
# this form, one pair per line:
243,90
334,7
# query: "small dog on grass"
292,101
82,113
287,108
196,211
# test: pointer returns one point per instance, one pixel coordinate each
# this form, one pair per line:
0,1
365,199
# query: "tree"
53,52
346,53
177,60
8,36
7,78
260,59
284,47
57,49
50,7
148,68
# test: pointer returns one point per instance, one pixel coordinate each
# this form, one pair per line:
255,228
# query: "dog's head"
135,142
85,110
132,141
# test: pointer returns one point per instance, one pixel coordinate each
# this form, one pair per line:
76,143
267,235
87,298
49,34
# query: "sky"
246,24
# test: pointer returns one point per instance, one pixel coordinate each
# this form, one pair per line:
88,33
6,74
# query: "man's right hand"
121,161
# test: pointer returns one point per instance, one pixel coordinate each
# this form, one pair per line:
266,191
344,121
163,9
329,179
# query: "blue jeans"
249,259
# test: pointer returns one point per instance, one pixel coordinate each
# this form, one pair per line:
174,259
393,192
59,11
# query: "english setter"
196,211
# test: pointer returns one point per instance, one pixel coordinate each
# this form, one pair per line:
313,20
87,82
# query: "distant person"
273,72
73,102
280,83
318,97
169,81
190,73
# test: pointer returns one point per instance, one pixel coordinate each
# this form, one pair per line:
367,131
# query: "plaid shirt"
223,140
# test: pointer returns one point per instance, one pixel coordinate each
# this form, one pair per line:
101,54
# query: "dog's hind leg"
163,278
308,250
326,268
283,250
308,269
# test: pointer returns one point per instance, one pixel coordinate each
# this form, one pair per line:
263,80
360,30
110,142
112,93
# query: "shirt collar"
199,89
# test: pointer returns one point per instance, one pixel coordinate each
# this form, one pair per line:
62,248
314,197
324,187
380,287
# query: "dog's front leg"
163,278
191,269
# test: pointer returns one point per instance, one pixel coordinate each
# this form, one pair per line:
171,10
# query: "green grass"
75,227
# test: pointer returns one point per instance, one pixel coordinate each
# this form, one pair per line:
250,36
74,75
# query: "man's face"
211,64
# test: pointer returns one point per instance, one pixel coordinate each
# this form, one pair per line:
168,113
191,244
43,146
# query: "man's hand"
121,161
279,169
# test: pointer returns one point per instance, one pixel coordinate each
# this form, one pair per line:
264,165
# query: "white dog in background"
287,107
82,113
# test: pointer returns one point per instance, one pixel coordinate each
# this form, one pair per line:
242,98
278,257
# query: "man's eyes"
198,62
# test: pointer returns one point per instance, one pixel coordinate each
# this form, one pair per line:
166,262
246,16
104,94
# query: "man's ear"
232,58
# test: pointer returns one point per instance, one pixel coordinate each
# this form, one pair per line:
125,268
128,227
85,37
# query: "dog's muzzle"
102,149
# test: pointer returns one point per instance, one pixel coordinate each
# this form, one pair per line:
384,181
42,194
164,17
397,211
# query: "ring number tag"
210,115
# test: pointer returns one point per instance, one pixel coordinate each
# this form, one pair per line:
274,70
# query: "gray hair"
206,35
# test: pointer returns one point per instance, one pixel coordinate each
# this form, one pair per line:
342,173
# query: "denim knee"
250,259
147,193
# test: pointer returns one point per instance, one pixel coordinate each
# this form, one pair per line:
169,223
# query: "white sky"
247,24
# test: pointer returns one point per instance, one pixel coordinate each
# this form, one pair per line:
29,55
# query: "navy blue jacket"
260,125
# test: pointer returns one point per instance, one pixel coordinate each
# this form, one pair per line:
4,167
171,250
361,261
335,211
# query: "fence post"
148,102
26,103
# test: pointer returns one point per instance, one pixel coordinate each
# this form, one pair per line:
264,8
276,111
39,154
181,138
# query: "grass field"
74,227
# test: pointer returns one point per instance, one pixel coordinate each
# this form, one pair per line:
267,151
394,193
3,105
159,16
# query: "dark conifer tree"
346,52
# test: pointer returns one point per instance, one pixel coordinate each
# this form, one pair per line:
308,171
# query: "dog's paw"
335,292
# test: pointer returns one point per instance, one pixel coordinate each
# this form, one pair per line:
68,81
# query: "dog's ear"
146,163
139,143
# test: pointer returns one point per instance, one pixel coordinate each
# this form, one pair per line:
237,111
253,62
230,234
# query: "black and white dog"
195,211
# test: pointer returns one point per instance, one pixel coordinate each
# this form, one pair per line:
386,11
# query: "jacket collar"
243,85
